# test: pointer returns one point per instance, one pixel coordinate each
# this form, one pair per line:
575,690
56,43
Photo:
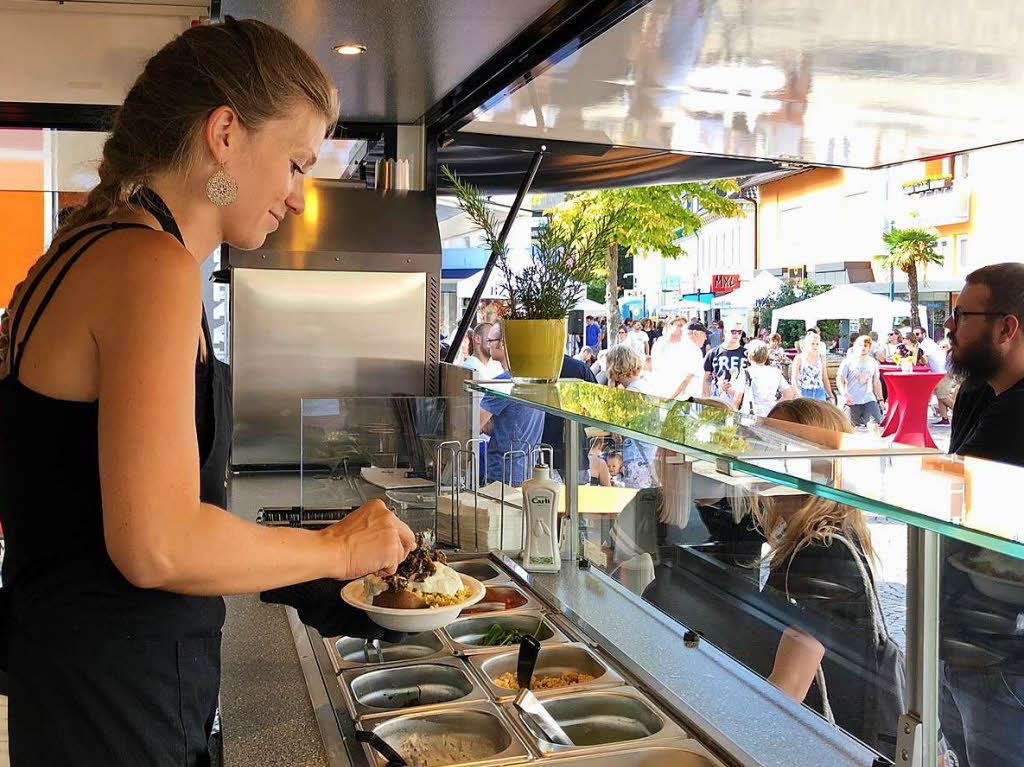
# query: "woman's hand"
369,540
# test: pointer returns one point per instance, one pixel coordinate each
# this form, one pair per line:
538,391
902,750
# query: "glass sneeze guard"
965,498
962,498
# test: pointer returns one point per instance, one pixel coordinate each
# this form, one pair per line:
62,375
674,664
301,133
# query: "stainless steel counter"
731,706
266,714
268,717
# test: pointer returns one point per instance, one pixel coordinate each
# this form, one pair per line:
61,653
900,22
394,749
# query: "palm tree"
908,248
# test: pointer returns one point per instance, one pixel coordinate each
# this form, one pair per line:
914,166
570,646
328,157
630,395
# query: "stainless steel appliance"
340,301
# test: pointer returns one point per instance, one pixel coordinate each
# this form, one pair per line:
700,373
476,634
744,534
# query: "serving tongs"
526,702
375,644
378,744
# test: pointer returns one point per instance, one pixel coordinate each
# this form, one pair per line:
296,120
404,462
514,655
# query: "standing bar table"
907,419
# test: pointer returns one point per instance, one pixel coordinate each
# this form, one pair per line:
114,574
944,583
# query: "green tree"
647,218
791,293
908,249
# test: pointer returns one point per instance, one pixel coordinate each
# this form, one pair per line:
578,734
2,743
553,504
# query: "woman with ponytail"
111,603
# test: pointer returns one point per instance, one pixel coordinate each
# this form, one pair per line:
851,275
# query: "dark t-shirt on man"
728,363
554,427
989,426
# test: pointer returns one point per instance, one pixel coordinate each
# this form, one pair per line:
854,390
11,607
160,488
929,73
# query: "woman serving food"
113,576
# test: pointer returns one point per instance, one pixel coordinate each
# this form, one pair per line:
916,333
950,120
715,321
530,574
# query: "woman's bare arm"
796,662
157,532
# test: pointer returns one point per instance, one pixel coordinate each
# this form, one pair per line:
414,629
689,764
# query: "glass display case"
876,585
766,590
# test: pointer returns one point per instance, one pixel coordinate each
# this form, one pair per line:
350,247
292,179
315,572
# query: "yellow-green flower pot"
535,349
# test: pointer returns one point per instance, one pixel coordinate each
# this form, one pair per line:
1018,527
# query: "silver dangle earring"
222,188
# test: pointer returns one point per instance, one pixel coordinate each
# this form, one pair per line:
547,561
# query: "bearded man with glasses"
982,713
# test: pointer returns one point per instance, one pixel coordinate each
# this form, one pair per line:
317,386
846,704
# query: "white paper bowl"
1001,589
412,621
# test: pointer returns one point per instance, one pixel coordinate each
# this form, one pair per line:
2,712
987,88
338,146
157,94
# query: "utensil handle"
378,744
529,650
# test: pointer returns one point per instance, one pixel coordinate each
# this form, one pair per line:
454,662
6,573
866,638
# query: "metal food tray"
347,652
619,711
475,568
476,625
532,603
429,677
553,659
481,720
687,753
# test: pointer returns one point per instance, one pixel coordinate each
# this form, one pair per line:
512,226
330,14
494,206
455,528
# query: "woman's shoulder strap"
90,234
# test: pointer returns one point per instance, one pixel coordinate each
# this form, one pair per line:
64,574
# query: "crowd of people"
682,358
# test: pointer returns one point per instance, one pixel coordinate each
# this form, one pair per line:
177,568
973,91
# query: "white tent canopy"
589,307
494,288
747,294
685,307
847,302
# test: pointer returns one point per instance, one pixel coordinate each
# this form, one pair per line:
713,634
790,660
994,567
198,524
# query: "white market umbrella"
846,302
747,294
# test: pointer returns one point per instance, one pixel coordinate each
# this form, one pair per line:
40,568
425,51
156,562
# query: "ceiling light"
350,49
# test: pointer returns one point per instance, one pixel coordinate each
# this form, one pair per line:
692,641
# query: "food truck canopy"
847,302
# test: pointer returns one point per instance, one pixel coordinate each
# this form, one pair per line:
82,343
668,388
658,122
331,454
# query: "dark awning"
500,171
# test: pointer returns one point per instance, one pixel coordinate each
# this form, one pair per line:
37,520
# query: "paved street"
889,539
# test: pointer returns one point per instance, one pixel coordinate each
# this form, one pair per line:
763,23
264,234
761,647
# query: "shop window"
962,258
961,165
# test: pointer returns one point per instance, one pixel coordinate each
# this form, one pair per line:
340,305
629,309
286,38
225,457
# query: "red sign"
724,283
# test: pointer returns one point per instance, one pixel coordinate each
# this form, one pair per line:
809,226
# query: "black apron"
144,692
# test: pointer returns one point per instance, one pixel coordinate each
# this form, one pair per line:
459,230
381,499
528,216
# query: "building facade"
827,223
713,261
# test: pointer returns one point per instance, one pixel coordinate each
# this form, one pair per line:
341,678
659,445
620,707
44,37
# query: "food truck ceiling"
417,51
860,83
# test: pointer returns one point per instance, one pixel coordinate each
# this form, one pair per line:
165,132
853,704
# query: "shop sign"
724,283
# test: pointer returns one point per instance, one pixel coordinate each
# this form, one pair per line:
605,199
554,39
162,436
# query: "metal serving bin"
598,720
350,652
552,660
494,589
483,570
482,724
412,686
689,753
465,634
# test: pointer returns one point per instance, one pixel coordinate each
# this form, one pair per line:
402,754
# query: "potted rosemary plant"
540,296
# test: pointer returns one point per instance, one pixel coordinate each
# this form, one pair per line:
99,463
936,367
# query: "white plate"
1011,592
412,621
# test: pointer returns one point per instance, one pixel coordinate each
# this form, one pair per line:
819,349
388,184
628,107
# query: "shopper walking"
860,384
592,333
809,373
723,364
762,385
937,359
677,364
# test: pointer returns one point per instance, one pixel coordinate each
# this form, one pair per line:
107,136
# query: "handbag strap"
878,625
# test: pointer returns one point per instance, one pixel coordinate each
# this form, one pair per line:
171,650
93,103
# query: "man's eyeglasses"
497,340
957,314
736,332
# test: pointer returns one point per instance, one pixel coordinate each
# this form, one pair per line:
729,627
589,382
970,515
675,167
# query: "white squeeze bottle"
540,504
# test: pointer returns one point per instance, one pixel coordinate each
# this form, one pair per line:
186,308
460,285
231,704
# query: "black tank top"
57,574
